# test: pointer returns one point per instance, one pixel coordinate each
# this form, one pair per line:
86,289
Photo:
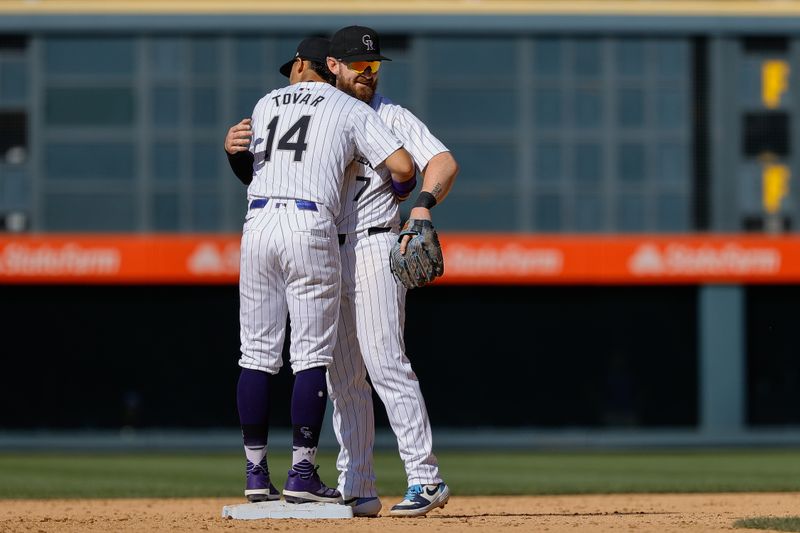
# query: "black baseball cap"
357,43
312,48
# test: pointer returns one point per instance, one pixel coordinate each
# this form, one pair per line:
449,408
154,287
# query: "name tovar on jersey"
305,135
367,197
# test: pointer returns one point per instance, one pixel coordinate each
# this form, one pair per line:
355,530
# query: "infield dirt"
628,512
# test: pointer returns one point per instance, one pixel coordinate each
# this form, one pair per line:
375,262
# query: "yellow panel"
775,186
774,82
753,8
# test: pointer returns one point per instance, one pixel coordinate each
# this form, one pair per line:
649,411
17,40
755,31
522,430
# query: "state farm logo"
211,258
69,259
510,259
682,259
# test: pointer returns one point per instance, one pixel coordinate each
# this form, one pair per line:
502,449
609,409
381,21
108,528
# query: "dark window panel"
166,161
167,57
672,213
766,132
15,189
206,212
394,81
587,58
13,131
89,55
548,56
250,56
548,212
89,212
204,56
672,58
13,81
498,212
485,163
246,99
548,162
631,216
672,162
589,213
12,42
205,107
393,42
89,106
630,56
630,107
765,44
672,109
205,161
478,58
547,107
486,111
588,163
588,106
166,212
77,161
166,103
631,161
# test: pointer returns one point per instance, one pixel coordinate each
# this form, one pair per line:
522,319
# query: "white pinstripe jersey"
367,197
305,135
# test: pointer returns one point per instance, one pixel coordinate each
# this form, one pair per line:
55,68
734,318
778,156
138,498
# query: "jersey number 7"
299,128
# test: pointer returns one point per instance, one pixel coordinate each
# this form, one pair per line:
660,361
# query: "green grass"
490,472
774,523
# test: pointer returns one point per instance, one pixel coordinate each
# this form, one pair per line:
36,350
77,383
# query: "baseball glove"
423,260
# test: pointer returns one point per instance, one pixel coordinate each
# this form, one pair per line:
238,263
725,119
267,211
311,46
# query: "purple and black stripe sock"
252,399
309,400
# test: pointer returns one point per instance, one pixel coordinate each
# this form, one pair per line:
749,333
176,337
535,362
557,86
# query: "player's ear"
333,65
297,69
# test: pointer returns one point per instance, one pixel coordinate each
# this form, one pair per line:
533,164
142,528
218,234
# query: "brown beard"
363,92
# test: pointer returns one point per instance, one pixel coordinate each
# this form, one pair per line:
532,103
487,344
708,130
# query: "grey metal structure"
555,134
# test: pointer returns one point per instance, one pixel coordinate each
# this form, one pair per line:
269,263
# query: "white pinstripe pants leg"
289,265
374,303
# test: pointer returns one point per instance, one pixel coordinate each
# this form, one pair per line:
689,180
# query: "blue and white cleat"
420,499
258,487
365,507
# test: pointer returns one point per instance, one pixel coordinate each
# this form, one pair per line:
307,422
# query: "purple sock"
309,399
252,397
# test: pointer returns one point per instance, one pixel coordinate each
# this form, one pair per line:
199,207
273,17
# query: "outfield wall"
102,358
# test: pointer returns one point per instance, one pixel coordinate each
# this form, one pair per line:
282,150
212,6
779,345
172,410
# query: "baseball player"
370,335
304,136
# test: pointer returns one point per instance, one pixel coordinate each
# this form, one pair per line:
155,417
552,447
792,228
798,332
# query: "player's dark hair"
323,71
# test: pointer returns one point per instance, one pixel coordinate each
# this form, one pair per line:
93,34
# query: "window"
13,137
78,161
88,106
99,56
89,212
494,109
13,81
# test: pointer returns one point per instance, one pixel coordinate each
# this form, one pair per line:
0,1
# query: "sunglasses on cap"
361,66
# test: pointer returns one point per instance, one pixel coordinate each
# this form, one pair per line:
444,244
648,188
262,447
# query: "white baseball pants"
289,265
370,341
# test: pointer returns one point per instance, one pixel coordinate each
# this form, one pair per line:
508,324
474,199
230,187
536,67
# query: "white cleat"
365,507
420,499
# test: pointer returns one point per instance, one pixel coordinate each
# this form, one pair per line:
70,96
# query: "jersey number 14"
298,129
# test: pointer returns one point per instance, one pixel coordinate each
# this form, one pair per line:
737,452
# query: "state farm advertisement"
516,259
469,259
120,259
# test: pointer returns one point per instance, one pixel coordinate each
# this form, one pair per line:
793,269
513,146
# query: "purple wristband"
404,188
